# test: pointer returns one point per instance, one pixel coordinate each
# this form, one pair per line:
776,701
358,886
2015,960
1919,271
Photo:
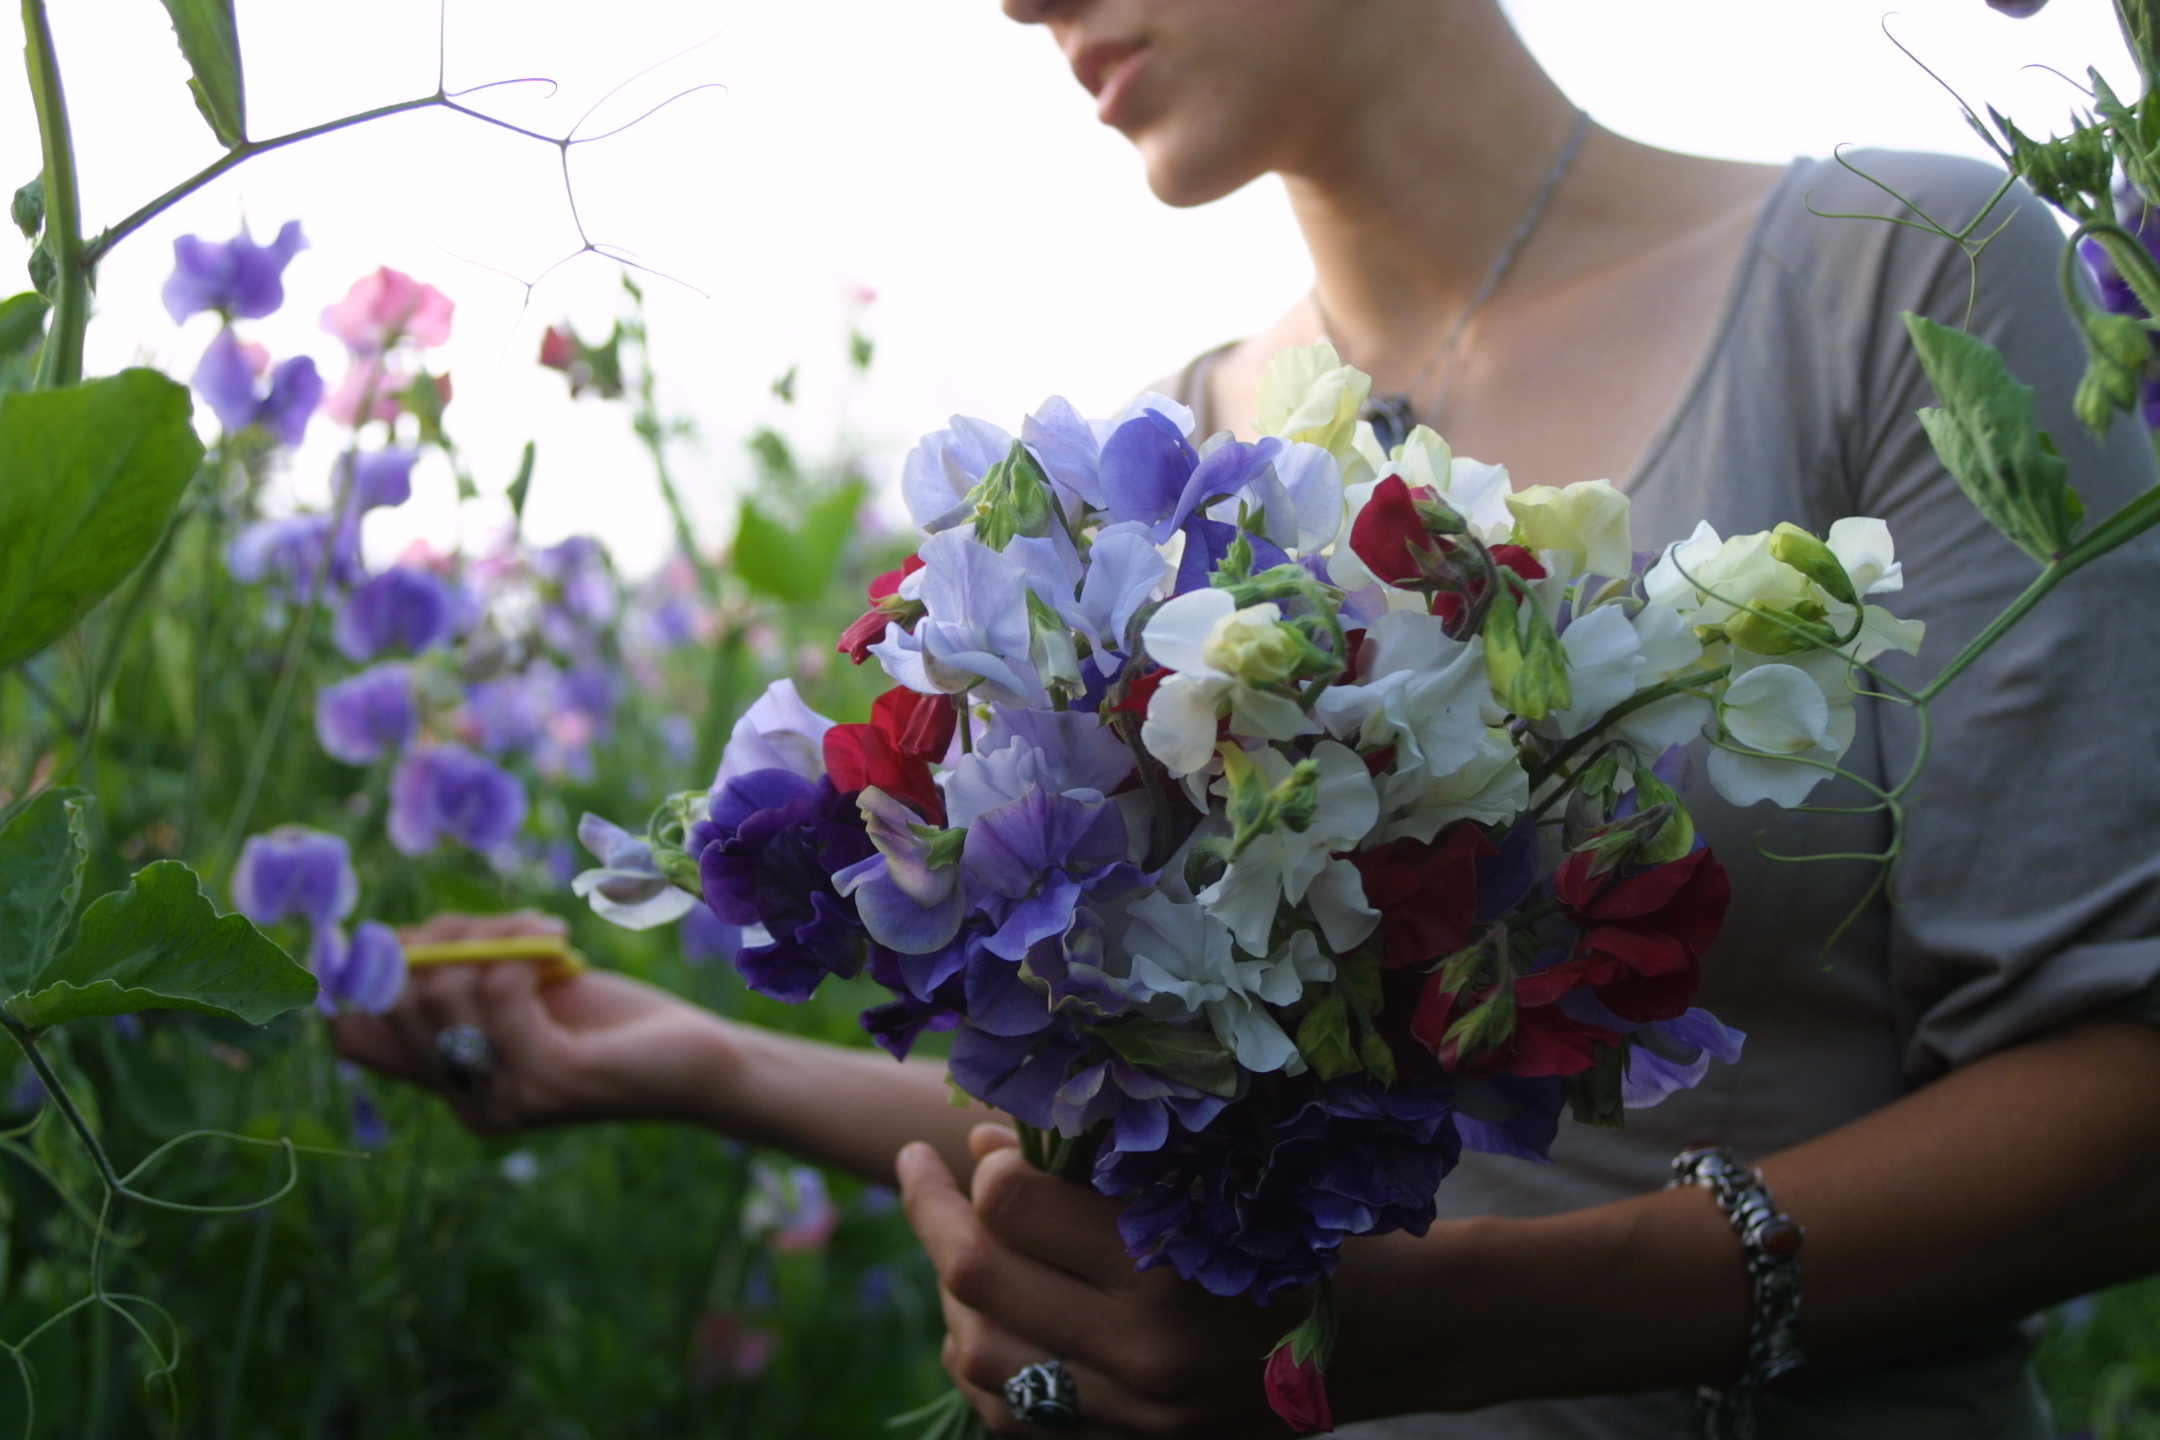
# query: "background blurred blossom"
237,278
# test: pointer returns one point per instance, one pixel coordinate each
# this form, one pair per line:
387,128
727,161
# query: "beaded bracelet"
1772,1242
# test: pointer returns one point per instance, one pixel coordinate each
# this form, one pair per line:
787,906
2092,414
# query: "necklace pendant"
1391,420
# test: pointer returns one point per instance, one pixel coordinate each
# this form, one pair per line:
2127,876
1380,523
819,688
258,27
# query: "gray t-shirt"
2029,890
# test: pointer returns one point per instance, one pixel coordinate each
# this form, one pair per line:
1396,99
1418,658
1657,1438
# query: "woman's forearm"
848,1108
2011,1184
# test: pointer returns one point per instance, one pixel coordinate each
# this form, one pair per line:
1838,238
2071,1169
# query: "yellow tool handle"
558,960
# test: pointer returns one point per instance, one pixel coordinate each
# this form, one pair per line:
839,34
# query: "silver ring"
466,1055
1043,1394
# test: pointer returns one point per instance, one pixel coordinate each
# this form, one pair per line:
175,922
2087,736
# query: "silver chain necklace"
1392,416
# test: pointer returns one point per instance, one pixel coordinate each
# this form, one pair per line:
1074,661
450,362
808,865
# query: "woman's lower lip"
1117,85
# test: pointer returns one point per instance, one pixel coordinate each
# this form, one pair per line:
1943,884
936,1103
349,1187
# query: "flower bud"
1013,498
1795,547
1253,644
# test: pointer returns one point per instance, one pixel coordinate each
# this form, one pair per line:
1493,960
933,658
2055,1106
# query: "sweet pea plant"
1268,822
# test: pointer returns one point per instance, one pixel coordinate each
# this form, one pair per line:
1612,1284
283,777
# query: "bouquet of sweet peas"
1271,821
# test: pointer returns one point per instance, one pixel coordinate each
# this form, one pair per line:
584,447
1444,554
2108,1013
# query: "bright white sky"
926,148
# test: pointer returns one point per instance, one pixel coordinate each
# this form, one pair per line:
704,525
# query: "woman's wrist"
1644,1294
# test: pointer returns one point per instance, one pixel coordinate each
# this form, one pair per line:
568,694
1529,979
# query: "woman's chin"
1182,172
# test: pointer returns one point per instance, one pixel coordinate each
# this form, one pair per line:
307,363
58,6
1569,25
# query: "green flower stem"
1678,686
60,1097
61,361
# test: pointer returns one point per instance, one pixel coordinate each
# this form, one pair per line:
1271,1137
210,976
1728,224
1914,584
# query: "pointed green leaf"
41,863
211,42
89,478
1987,436
796,565
161,945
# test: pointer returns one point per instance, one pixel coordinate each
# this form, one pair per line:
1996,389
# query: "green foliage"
796,565
211,43
2100,1364
161,945
89,478
1988,437
42,851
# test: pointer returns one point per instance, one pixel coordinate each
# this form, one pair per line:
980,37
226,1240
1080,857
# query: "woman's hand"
599,1046
1033,1267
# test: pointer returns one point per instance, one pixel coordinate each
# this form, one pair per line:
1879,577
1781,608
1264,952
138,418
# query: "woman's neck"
1415,183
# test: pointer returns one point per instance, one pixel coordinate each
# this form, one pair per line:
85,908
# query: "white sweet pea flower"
1492,790
1423,693
1863,546
1605,664
1796,709
1587,522
1295,865
1669,650
1216,652
1183,966
1728,577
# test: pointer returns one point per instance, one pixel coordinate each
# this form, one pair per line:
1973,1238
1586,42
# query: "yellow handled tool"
559,961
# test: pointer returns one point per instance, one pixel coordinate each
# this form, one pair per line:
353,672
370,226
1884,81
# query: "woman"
1958,1099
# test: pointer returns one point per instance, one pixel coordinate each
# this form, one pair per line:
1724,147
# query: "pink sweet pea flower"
386,307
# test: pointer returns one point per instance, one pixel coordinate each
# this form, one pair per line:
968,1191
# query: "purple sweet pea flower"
403,608
1247,1208
294,873
508,715
449,791
229,380
365,717
768,854
1510,1114
289,551
238,279
366,972
1027,864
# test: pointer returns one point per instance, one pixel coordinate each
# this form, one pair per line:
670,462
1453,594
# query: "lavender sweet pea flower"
628,889
238,279
366,972
294,873
1027,864
361,719
975,633
289,551
906,902
1673,1055
403,608
229,379
939,471
447,790
509,715
777,732
377,479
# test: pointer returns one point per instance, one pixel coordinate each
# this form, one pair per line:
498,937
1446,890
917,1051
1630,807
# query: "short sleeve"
2028,890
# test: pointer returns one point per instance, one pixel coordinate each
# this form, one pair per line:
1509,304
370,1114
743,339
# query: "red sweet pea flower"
1643,937
1141,691
1389,534
1297,1392
921,726
1448,604
856,640
1426,894
893,752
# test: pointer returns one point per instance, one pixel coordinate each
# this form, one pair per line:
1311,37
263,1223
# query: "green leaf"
41,864
161,945
520,486
1987,436
796,566
89,478
22,321
211,42
1190,1057
1323,1038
